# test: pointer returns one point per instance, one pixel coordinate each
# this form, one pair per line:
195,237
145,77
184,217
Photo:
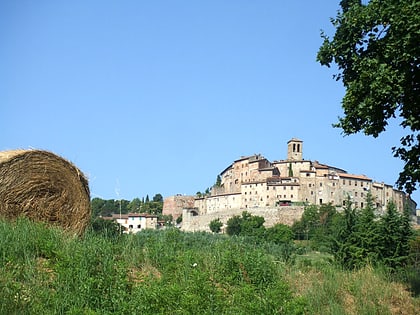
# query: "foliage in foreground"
358,237
330,290
376,50
45,271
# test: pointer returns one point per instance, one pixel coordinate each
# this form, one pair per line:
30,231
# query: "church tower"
294,149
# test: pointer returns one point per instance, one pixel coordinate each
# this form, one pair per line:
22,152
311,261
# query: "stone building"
135,222
255,182
174,205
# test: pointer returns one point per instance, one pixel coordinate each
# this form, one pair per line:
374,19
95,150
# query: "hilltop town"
279,190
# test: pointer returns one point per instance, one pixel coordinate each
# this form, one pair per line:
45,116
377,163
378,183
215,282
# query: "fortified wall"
174,205
193,222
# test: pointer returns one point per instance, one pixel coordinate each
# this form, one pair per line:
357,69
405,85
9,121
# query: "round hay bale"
43,187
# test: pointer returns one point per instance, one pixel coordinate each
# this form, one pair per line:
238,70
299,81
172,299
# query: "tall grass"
329,289
44,271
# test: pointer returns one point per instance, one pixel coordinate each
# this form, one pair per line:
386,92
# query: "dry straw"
44,187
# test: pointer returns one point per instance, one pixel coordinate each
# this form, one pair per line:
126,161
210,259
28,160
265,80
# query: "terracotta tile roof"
353,176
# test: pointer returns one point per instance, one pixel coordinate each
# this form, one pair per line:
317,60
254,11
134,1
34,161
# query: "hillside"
45,271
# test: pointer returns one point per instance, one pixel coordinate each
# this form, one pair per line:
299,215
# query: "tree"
216,225
96,205
234,225
134,205
218,181
279,234
366,235
107,228
252,225
179,219
376,48
396,234
158,198
246,225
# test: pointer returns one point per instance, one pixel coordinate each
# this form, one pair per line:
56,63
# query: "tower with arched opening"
294,149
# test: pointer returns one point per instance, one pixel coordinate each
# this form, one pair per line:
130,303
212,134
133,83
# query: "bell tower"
294,149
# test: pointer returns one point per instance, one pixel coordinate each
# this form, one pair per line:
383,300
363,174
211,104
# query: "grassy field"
45,271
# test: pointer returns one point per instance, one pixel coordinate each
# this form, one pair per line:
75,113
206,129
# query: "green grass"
46,271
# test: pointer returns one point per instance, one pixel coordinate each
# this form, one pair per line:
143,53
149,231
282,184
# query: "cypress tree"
395,236
343,244
367,235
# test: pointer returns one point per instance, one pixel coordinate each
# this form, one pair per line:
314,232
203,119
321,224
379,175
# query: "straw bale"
44,187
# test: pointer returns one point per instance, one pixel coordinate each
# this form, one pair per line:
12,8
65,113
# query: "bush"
215,225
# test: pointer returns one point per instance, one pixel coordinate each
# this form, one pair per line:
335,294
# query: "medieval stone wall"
173,205
285,215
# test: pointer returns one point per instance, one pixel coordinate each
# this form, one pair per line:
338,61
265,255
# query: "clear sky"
158,96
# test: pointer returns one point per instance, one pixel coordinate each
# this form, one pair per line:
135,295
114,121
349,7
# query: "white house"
135,222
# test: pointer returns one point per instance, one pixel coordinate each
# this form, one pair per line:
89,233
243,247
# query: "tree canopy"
376,49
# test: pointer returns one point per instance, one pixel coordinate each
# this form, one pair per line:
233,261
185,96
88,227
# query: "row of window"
268,197
350,182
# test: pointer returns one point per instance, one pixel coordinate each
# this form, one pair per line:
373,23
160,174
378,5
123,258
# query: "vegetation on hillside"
43,270
329,262
105,208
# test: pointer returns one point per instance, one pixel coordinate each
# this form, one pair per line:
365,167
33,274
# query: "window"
361,205
291,196
291,188
355,183
362,195
274,188
320,184
284,187
320,201
310,185
130,226
344,181
349,182
312,192
139,226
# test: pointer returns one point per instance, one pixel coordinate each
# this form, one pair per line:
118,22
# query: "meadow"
44,270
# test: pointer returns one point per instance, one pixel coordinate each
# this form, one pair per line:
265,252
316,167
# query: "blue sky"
158,96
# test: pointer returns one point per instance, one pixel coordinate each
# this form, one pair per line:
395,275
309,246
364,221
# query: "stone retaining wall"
286,215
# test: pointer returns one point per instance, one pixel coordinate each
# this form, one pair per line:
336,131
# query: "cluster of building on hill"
255,182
